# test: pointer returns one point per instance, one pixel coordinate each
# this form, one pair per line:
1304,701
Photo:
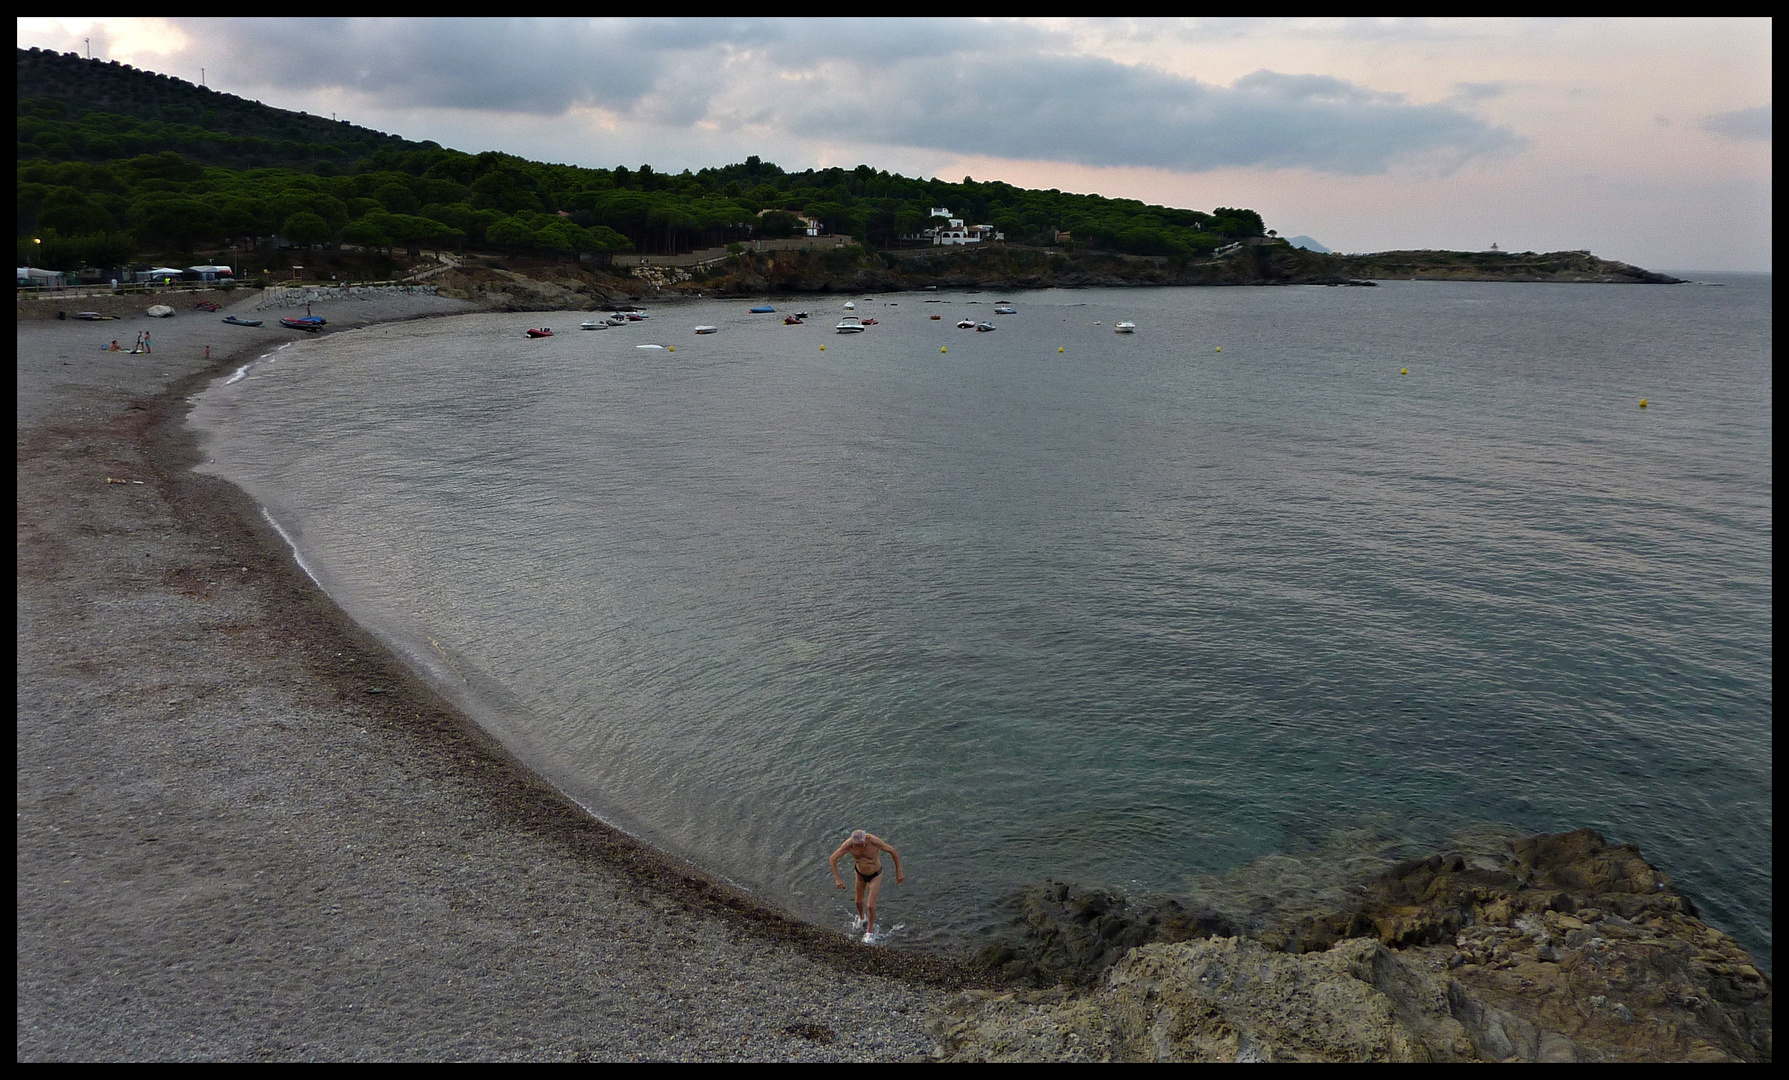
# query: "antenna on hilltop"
89,42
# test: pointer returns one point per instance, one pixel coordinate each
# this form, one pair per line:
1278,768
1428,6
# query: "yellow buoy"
943,348
1058,348
1643,403
1403,371
672,349
822,348
1220,348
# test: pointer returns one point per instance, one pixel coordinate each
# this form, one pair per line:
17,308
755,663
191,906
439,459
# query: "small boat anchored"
301,324
594,324
540,331
1125,328
763,309
707,329
850,324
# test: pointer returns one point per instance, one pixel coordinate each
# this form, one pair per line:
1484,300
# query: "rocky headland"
1559,947
511,285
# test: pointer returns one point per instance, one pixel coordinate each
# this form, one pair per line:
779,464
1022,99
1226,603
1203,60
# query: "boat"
763,309
234,320
92,315
869,322
617,319
540,331
984,327
594,324
660,348
801,314
849,306
635,316
850,324
314,320
1005,309
790,320
966,324
935,318
1125,328
706,329
300,324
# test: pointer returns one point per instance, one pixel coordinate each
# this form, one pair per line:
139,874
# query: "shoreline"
246,830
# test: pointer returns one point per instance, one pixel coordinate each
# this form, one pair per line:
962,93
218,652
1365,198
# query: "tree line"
140,162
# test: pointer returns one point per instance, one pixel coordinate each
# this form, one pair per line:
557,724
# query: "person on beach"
146,347
866,853
114,346
138,347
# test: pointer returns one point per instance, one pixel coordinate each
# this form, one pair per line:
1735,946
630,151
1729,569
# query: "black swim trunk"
867,878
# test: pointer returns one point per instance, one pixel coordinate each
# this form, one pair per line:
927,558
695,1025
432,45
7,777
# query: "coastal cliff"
520,286
1558,947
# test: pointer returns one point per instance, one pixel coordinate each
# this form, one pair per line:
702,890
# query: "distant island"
124,173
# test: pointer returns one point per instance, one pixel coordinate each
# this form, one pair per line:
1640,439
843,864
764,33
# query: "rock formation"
1559,947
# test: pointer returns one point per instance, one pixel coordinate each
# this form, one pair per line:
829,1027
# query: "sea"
1055,602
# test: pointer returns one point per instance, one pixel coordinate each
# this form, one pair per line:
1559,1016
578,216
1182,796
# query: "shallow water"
1053,601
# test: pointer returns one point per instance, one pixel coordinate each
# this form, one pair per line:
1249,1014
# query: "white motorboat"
1125,328
849,306
966,324
706,329
1005,309
617,319
594,324
851,324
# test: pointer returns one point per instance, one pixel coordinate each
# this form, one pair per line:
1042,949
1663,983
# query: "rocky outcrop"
1559,947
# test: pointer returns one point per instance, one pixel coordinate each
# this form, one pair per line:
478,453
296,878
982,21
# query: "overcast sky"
1646,141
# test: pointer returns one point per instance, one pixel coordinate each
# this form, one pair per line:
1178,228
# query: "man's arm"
833,863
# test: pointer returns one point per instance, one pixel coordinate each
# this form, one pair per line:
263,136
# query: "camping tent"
209,273
161,273
31,275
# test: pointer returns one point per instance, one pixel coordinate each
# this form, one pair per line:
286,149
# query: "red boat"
790,320
302,324
542,331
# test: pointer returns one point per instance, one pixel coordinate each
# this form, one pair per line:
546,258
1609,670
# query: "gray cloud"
1749,124
1002,89
1093,111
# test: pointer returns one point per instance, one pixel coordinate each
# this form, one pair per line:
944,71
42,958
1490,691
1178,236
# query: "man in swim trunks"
866,852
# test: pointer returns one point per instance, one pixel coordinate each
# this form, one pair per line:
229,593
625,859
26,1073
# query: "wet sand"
246,832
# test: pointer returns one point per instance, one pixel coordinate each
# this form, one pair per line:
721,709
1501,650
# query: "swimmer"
866,852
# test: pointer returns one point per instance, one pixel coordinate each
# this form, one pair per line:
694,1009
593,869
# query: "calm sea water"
1058,602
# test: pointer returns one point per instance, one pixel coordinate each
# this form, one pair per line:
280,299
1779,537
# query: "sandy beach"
246,832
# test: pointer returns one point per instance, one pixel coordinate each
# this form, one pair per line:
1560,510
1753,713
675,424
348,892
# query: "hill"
118,167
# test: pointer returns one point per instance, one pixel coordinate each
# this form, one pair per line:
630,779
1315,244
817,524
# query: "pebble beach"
246,832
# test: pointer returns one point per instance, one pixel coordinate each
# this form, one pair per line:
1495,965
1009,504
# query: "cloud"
1751,125
1095,111
534,66
1004,89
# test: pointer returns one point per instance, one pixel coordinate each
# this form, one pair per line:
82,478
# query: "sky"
1643,140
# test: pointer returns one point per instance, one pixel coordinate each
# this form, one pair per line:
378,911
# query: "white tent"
160,273
209,272
32,275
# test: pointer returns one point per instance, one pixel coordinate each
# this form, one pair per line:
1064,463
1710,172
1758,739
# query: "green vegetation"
115,164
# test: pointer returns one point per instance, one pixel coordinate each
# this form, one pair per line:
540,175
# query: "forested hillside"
118,165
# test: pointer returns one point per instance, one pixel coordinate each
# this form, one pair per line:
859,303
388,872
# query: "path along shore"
245,831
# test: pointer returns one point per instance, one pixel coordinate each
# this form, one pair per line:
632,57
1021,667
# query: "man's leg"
859,893
874,890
